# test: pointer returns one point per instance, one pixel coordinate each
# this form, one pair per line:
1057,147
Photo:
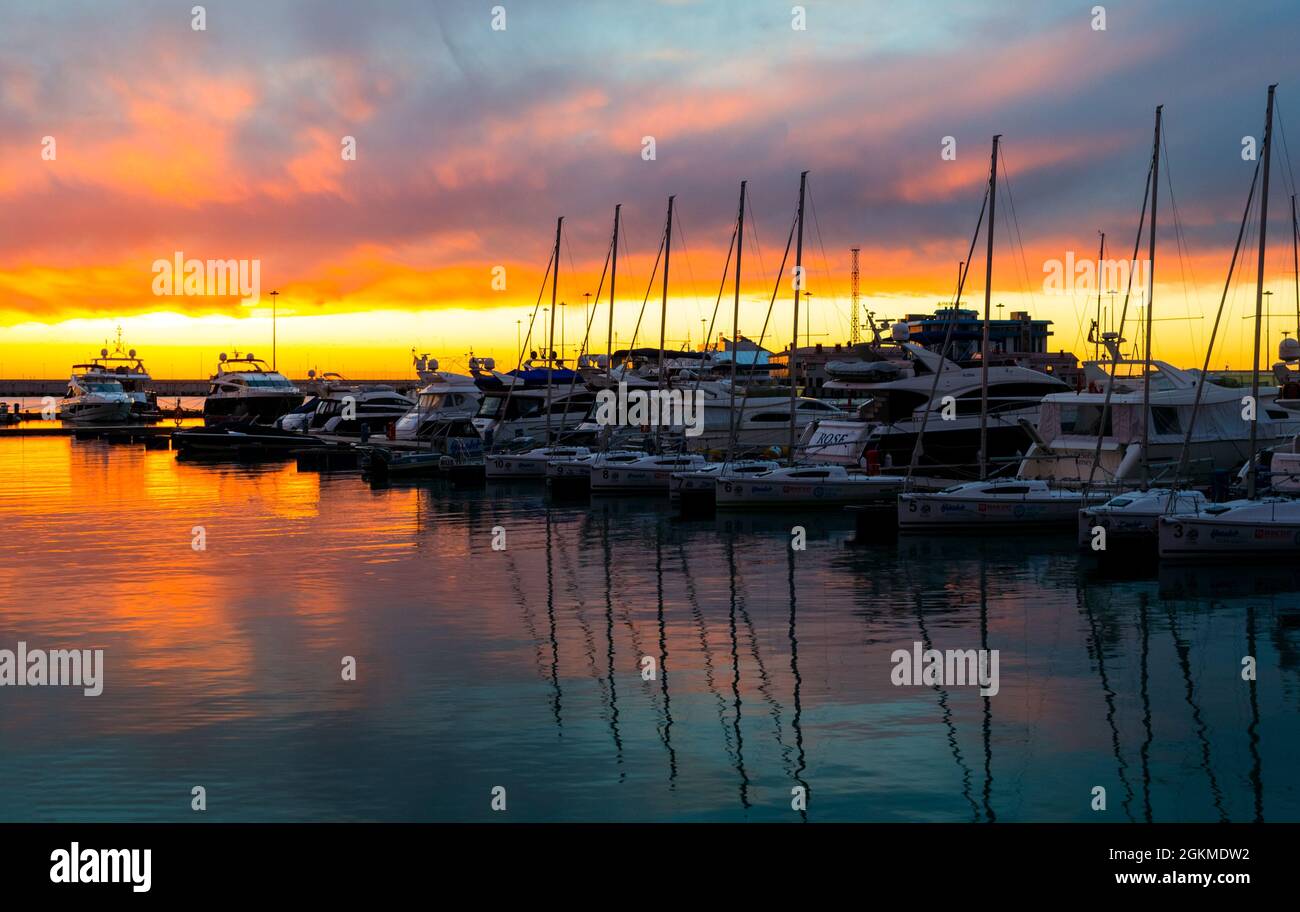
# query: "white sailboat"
1132,518
974,506
1252,526
805,486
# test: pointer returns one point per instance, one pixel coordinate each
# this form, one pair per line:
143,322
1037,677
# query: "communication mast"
855,328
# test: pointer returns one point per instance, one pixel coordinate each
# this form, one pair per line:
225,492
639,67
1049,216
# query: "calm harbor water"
522,668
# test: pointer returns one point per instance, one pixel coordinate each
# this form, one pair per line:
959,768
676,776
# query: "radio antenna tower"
855,327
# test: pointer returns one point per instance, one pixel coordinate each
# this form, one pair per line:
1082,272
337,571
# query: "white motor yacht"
1069,425
246,389
93,398
445,397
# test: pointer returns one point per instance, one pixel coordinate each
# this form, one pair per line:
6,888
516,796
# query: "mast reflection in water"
527,668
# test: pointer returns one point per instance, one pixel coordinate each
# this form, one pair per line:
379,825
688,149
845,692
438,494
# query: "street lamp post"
274,296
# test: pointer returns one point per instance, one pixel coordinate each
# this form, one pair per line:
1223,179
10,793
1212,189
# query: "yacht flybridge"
246,389
94,398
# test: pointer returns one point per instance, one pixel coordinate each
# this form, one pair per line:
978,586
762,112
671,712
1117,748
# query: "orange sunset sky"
127,136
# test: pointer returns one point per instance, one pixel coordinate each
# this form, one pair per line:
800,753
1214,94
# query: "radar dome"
900,331
1289,350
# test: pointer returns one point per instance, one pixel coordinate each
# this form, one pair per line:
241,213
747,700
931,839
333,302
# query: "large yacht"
94,398
902,393
127,369
246,389
1070,424
444,398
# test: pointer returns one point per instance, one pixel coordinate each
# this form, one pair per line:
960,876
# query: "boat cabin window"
1084,419
1009,489
817,473
770,417
1164,418
1005,397
888,406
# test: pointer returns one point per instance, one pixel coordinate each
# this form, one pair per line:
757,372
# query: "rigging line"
1209,351
753,238
591,315
1119,330
541,292
1020,242
1277,115
826,272
726,269
1180,241
649,288
686,254
776,288
947,340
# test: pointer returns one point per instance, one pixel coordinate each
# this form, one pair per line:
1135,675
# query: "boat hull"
935,512
262,409
1205,538
757,493
96,412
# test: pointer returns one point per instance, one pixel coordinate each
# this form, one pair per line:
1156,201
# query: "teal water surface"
528,668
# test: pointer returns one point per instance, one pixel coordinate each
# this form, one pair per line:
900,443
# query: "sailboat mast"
1295,262
1101,252
988,299
1151,294
735,315
663,309
794,336
613,276
550,340
1253,479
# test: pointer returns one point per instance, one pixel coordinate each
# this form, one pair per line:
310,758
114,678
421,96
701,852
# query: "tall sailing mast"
735,315
663,310
1295,258
1101,253
988,297
550,341
1252,476
1151,293
794,337
613,275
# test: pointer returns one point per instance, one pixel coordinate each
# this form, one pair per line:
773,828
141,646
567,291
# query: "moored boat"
975,506
1132,518
646,472
804,486
93,398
